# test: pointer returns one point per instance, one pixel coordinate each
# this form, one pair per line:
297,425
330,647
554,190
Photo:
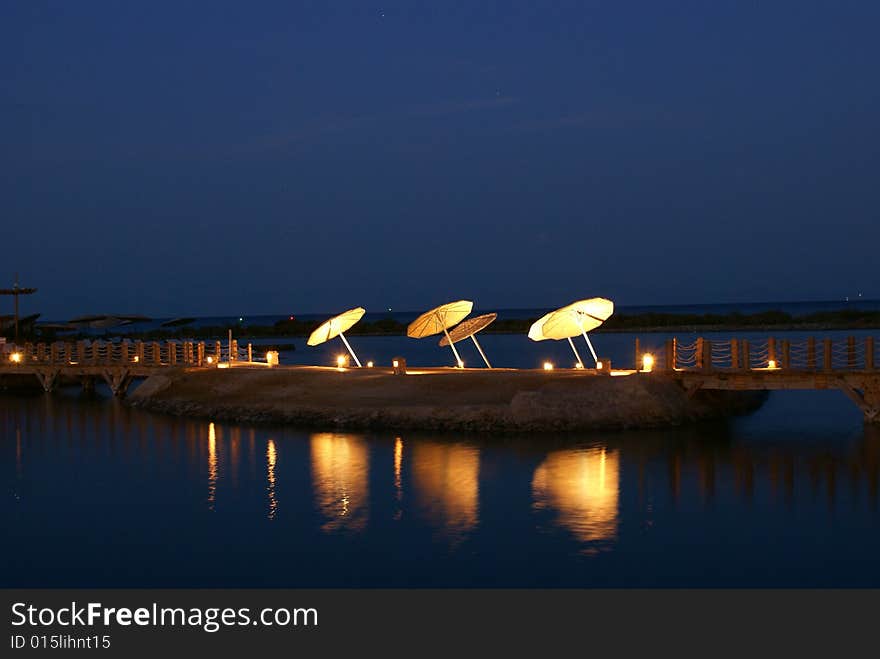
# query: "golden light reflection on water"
398,463
398,479
340,476
212,466
446,478
582,487
270,477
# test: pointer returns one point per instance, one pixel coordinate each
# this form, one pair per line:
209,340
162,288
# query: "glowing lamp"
15,357
548,366
136,359
771,363
460,363
599,366
395,363
647,362
369,364
341,361
209,359
578,365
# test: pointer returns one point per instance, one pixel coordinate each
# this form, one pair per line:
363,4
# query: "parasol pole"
345,341
480,348
587,339
458,361
571,343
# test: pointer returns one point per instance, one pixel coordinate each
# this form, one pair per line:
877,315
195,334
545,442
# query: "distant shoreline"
652,322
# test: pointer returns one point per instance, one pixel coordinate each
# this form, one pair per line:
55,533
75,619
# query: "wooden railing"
142,353
850,354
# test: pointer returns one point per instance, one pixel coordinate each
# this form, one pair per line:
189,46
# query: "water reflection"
446,478
340,476
212,466
398,481
270,477
582,488
612,513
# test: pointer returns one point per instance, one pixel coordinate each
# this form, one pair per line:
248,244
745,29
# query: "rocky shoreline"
498,401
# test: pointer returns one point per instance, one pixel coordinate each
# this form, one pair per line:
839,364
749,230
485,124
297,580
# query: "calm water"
95,494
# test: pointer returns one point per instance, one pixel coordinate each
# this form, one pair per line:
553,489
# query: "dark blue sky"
214,157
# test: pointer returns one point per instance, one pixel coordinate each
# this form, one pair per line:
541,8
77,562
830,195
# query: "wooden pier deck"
848,364
117,363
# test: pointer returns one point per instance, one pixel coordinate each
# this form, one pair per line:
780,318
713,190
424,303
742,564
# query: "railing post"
851,352
233,352
201,353
786,354
669,355
139,348
745,355
123,352
250,353
218,349
53,353
707,355
771,350
41,352
811,353
172,353
869,353
826,354
734,354
157,353
698,354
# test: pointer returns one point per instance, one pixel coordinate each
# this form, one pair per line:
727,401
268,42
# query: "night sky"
241,158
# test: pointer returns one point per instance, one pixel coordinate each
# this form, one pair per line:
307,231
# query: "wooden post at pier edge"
707,355
869,353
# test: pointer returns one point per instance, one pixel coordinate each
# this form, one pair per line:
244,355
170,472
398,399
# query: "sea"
97,494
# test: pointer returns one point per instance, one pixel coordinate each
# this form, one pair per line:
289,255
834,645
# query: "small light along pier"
849,364
120,363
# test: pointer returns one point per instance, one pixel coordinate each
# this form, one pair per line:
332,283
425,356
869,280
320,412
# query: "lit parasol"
440,319
575,319
469,328
334,327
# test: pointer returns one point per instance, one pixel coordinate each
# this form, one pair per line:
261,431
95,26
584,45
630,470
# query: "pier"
119,363
848,364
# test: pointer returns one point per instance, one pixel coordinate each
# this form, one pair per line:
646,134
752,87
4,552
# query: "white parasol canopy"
575,319
335,326
469,328
440,319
